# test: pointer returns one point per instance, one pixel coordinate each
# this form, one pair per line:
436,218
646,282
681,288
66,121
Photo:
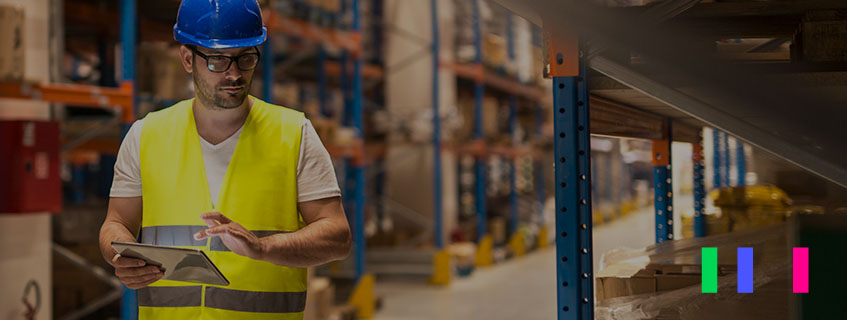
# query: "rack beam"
120,98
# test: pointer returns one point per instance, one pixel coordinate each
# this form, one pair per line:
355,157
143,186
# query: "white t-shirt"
315,172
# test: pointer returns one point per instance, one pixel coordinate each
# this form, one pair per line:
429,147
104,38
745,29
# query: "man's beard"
220,98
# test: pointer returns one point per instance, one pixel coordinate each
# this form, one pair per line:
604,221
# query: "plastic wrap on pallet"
769,300
769,243
771,297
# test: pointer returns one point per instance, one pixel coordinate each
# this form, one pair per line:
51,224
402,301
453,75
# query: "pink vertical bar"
801,270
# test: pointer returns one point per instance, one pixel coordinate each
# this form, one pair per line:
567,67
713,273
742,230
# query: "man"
248,182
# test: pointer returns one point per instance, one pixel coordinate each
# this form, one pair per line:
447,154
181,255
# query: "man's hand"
134,273
237,238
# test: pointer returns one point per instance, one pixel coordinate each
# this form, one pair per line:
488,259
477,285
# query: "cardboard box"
494,51
327,130
653,278
11,43
646,281
320,298
824,37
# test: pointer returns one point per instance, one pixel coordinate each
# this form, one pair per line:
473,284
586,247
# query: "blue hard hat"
220,24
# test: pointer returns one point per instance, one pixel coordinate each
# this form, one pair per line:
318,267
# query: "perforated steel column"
573,197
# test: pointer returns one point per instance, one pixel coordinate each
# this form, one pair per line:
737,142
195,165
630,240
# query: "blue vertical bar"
669,181
513,101
699,191
268,70
347,117
78,181
741,163
479,91
745,270
725,159
358,168
573,197
663,187
129,32
660,189
346,120
513,192
716,159
539,168
436,128
322,93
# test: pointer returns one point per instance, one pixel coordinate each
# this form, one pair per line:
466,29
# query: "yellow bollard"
542,238
484,255
441,268
516,243
363,297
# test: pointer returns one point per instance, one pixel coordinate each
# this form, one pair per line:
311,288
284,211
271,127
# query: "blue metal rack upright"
740,163
725,159
479,92
717,175
268,70
573,187
436,130
513,105
663,185
699,190
358,162
513,192
129,35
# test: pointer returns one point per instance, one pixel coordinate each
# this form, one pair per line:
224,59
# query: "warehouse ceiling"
794,110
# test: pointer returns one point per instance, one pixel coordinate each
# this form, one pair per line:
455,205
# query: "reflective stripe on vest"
184,236
258,191
189,296
222,298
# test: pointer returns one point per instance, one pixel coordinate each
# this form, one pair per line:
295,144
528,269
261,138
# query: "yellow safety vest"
259,191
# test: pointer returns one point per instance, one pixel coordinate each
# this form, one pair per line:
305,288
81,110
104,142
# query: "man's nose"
233,73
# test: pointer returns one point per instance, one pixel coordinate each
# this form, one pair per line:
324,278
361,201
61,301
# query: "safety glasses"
221,63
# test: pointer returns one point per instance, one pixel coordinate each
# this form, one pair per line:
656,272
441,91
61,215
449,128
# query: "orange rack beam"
476,72
350,41
77,95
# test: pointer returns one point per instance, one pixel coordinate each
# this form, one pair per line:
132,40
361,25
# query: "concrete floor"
521,288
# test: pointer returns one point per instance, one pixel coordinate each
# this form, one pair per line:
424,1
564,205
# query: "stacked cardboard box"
824,37
161,73
652,278
11,43
320,298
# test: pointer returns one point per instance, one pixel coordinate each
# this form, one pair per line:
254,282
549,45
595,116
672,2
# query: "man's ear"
186,56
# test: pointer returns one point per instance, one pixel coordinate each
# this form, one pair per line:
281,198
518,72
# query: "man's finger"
217,216
211,232
124,262
142,278
211,222
139,283
136,271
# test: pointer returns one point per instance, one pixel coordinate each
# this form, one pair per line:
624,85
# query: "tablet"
180,264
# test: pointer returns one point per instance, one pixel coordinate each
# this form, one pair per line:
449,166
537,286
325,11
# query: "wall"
25,239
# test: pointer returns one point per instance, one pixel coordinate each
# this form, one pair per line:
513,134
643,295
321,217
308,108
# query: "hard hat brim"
186,38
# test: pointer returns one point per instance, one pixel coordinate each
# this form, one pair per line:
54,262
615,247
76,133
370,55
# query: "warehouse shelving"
569,68
350,71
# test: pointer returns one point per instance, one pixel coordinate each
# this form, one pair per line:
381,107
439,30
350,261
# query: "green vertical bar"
709,269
